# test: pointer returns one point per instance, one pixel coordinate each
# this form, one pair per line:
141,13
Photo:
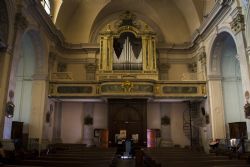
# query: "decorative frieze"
61,76
180,89
127,87
74,89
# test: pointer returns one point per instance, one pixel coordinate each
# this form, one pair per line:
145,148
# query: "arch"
37,51
41,50
102,21
227,85
214,50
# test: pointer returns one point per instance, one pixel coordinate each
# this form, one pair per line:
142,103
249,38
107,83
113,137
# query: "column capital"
248,50
238,23
90,67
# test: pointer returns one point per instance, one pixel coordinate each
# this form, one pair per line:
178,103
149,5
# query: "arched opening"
28,63
24,74
225,63
231,82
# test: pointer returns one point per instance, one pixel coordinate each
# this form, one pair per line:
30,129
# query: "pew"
78,155
179,157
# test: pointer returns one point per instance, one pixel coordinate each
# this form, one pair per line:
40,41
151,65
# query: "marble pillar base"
88,135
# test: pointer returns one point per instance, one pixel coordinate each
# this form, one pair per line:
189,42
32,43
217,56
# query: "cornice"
214,77
221,8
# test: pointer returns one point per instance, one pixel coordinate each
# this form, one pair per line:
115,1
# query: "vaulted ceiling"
174,20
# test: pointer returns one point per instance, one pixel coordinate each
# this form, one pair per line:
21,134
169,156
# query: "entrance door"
129,115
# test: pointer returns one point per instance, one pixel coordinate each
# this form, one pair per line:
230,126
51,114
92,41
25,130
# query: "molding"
214,77
221,9
248,50
40,77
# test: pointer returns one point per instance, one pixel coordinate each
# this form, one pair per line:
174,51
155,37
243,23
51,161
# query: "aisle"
125,163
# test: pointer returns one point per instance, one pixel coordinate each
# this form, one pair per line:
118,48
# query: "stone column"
238,27
216,107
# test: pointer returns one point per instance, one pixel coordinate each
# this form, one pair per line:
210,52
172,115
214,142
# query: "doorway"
129,116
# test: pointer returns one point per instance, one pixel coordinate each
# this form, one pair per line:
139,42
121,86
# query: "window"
46,5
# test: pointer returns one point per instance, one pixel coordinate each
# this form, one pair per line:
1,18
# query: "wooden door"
129,115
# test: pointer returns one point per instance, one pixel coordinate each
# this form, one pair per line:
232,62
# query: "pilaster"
38,106
216,107
238,27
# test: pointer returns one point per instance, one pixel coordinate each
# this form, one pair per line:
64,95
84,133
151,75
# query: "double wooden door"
129,115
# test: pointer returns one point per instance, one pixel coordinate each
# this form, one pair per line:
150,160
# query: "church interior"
153,82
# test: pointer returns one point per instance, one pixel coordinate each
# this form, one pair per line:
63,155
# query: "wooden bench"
169,157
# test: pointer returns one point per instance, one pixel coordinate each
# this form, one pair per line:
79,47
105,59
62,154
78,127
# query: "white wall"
153,116
49,126
100,116
154,112
176,115
72,122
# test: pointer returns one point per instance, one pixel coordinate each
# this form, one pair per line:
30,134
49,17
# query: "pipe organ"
127,60
127,48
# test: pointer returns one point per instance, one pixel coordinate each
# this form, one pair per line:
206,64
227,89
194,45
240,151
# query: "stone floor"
125,163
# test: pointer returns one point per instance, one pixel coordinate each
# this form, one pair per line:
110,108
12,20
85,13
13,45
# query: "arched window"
46,5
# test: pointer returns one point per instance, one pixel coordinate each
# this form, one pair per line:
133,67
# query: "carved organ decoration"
127,45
